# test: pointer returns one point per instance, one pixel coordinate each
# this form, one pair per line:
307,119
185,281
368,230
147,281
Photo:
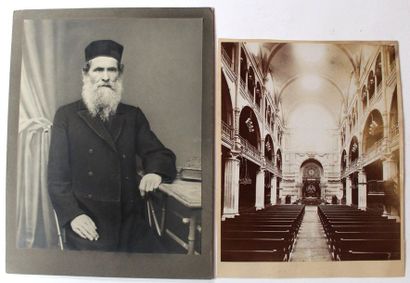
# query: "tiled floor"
311,241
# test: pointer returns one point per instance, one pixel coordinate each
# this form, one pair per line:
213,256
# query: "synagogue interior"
311,151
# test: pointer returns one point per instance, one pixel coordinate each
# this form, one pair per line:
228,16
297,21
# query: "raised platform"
311,201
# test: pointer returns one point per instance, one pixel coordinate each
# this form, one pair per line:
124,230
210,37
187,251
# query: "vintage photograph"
311,152
110,136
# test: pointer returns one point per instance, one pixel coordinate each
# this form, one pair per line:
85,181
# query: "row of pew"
354,234
264,235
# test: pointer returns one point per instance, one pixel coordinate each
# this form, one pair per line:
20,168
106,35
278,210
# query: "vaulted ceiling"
322,74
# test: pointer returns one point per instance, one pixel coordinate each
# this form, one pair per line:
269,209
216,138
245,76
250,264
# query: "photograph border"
56,262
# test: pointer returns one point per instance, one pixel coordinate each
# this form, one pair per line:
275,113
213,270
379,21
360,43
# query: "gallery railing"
353,166
270,167
228,67
394,135
373,152
225,57
250,151
227,133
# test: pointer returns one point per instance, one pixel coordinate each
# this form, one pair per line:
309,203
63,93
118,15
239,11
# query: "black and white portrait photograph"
110,139
311,152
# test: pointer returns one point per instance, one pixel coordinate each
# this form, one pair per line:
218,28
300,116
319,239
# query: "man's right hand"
85,227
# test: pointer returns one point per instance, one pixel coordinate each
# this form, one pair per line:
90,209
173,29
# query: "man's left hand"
149,182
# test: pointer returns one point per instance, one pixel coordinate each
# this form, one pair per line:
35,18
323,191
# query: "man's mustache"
106,85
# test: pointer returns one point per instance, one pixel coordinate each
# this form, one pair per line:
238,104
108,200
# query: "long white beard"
100,100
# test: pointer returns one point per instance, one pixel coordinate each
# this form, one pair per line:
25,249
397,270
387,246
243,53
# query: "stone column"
389,168
260,190
273,191
348,190
362,190
282,196
231,188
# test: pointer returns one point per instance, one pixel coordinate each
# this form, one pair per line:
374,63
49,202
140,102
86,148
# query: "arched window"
244,66
354,150
379,74
394,116
392,57
258,95
269,149
373,130
279,160
364,97
249,127
251,80
371,85
343,161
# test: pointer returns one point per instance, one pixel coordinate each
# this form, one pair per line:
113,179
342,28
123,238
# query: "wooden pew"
252,244
338,235
261,235
252,255
352,248
360,235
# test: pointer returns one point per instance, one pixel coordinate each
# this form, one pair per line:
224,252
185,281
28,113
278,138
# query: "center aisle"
311,240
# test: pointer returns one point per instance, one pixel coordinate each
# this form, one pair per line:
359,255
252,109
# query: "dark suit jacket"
92,170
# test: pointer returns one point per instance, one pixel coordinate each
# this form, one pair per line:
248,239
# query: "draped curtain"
36,227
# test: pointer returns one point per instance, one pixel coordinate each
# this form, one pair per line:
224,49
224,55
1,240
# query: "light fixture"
354,147
373,126
245,180
268,146
249,124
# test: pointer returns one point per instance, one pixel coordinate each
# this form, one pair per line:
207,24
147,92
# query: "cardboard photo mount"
244,268
110,264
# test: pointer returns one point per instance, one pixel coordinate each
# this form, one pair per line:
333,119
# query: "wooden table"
178,204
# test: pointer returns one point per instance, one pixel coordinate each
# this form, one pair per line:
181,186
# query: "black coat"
92,170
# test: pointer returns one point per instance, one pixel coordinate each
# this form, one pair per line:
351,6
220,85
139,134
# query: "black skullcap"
107,48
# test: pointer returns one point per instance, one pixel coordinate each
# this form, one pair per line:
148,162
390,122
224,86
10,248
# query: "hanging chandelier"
249,124
245,180
373,127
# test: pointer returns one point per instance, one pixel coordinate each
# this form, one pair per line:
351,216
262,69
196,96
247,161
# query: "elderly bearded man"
92,177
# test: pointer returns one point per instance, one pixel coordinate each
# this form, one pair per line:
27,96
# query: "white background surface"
263,19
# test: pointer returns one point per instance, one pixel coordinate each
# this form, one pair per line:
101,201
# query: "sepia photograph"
311,154
111,143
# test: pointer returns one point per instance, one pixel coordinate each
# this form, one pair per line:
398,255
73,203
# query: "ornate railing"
226,58
392,73
393,66
226,61
374,151
278,172
270,166
250,151
394,135
227,132
379,89
353,166
245,93
394,130
372,99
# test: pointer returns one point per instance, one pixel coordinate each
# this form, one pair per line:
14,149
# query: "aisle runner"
311,241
